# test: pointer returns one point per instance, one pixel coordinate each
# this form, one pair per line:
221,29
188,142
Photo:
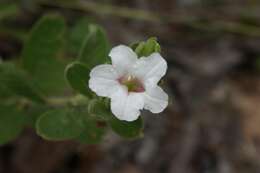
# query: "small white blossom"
130,83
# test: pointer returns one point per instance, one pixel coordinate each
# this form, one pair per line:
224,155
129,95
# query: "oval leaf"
93,132
99,109
95,48
77,35
39,55
77,76
60,124
127,129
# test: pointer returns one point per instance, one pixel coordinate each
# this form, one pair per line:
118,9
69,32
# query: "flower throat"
132,83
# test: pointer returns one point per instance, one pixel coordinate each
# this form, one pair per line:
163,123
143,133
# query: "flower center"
132,83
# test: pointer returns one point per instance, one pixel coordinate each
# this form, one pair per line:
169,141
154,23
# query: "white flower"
131,83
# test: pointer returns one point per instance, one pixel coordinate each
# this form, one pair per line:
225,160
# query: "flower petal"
126,106
155,99
123,58
103,80
150,69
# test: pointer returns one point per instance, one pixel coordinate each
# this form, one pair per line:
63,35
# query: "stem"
62,101
76,100
229,27
232,27
107,9
58,101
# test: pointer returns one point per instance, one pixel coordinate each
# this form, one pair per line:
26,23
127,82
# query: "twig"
106,9
144,15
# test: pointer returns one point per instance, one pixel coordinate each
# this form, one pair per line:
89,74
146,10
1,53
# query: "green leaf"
99,109
61,124
95,48
95,124
4,91
77,35
77,75
147,48
16,81
33,112
11,123
135,45
126,129
39,56
93,132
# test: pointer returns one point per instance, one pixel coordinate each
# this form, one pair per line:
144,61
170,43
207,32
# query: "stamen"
132,83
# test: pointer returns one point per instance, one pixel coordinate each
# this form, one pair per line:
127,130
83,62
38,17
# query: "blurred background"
212,124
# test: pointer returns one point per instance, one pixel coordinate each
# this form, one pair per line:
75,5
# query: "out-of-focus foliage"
41,51
77,36
16,82
12,122
95,47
